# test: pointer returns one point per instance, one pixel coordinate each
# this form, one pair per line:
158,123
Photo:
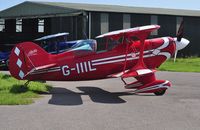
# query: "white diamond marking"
21,74
17,51
19,63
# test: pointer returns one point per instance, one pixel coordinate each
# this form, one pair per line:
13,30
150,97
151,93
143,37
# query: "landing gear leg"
123,81
26,84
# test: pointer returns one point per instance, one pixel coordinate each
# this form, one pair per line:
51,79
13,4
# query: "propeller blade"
179,40
175,55
180,32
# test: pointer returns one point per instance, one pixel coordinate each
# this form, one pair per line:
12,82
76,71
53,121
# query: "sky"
172,4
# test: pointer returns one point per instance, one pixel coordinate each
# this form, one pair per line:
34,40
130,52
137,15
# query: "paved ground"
105,104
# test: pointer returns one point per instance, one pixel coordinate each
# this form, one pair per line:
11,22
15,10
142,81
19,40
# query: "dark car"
4,59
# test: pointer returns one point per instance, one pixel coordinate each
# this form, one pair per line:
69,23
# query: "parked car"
4,59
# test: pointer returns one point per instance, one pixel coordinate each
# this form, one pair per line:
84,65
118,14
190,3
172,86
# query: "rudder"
27,57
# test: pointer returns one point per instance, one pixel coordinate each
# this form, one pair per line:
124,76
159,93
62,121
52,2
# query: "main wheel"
160,92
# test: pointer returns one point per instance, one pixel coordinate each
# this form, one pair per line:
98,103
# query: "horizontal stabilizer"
41,68
45,66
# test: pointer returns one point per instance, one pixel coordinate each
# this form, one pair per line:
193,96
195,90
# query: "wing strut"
140,64
141,33
140,67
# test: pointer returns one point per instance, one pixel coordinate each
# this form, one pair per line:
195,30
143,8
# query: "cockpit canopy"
81,45
89,45
86,45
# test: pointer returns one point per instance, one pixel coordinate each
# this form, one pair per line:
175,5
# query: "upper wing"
130,31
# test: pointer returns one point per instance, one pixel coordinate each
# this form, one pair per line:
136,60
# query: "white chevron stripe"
165,44
120,60
109,58
120,56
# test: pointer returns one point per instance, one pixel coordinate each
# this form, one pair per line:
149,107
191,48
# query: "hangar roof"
30,9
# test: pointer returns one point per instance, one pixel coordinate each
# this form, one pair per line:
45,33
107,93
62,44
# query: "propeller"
180,41
179,34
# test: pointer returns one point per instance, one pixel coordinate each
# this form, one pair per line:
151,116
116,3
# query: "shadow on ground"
63,96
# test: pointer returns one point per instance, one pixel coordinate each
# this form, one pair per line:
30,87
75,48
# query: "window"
126,21
18,25
154,21
41,25
2,25
104,23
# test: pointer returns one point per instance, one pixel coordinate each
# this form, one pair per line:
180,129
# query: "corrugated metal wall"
192,32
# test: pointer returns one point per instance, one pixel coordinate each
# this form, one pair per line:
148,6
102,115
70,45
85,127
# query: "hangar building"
31,20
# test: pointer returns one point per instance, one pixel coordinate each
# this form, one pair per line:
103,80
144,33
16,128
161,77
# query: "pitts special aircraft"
127,53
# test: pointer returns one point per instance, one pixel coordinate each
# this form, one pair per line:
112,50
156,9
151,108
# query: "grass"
13,91
182,65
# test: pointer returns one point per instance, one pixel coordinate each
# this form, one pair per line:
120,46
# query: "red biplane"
127,54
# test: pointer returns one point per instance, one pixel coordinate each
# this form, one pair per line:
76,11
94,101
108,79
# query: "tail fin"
27,57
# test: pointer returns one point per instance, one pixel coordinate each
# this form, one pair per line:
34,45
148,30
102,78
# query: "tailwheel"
160,92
